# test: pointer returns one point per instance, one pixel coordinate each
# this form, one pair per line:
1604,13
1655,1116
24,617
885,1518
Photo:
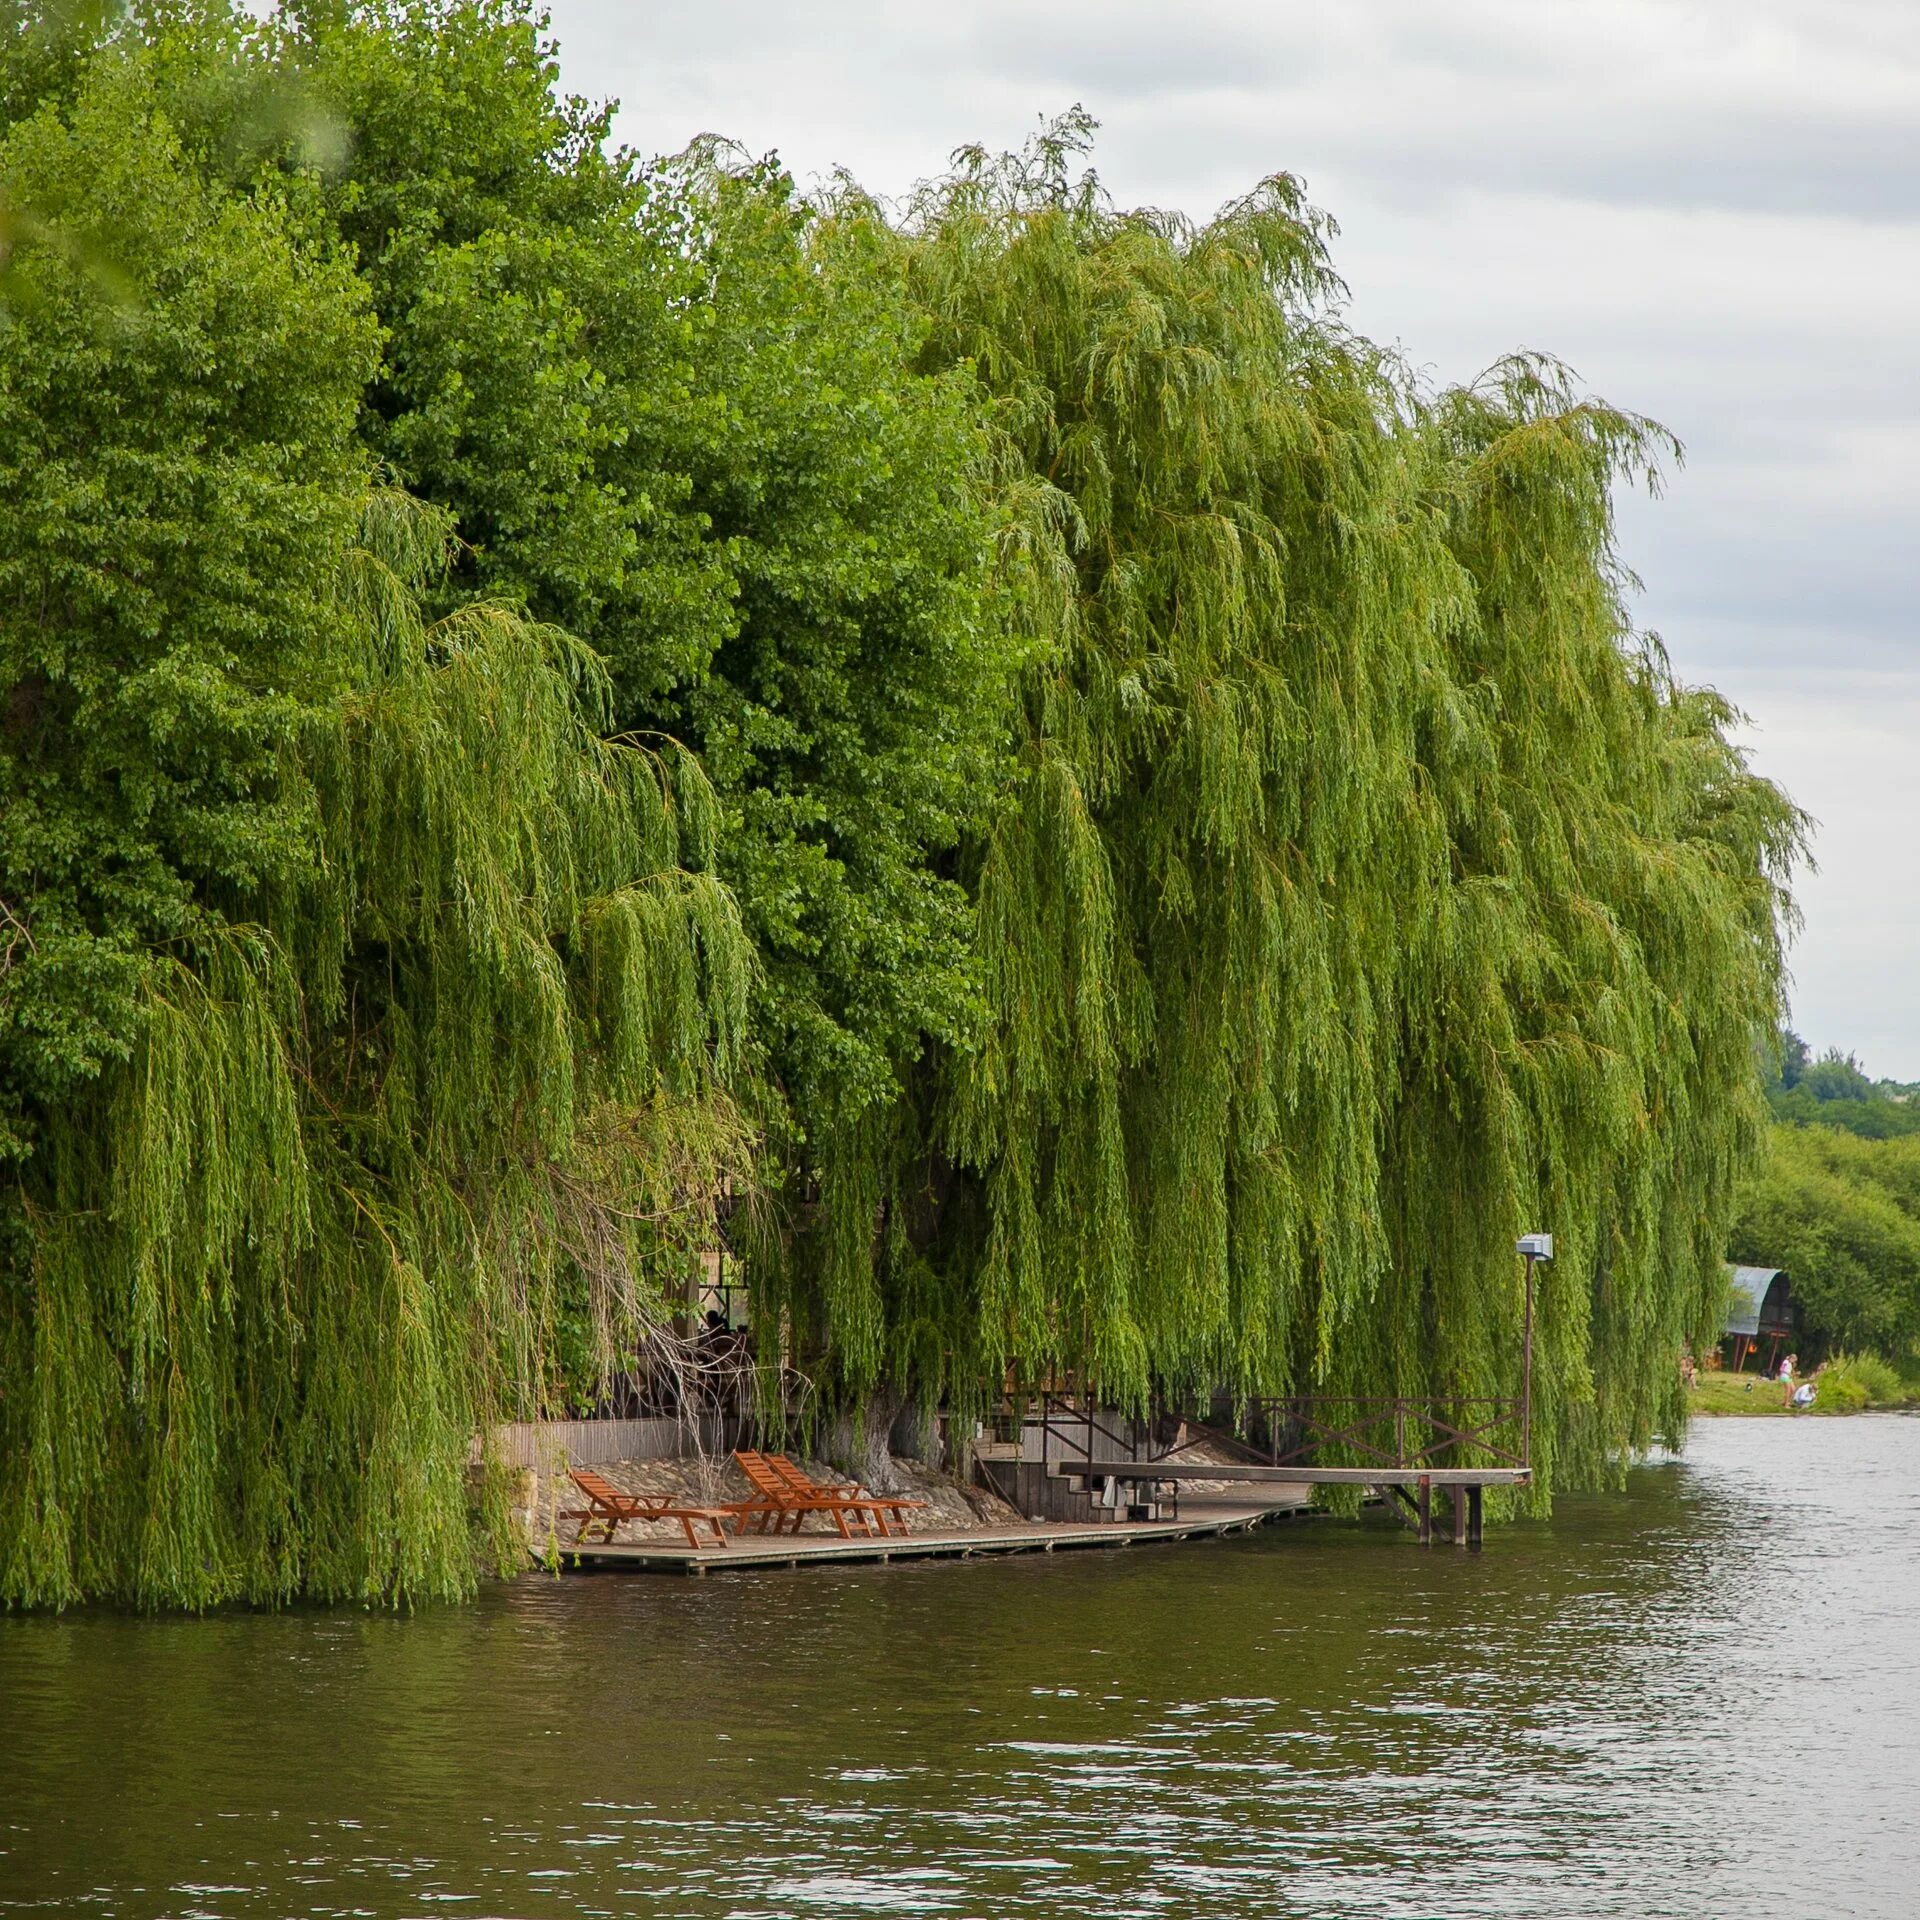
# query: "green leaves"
364,1008
1369,891
1842,1215
177,483
520,671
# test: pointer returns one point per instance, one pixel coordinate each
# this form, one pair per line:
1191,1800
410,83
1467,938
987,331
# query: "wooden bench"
607,1507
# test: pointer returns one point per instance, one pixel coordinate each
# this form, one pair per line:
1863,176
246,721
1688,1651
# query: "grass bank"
1850,1383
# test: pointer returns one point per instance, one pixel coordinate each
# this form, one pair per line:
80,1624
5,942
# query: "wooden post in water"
1459,1514
1426,1510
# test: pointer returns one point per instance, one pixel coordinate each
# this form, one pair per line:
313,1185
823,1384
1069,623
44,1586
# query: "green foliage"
1878,1378
1874,1116
1839,1391
1842,1215
1852,1382
178,479
1371,892
676,412
856,719
360,999
1160,821
1834,1091
1835,1076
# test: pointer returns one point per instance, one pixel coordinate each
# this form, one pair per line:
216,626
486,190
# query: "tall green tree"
677,410
363,1009
1371,892
1834,1091
1842,1215
1191,855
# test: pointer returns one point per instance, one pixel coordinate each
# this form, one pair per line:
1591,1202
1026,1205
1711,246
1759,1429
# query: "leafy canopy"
525,671
365,1008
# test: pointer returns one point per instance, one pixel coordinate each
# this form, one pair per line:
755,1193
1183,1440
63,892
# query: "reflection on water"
1700,1698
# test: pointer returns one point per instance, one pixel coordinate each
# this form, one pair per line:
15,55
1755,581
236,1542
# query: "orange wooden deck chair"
607,1507
783,1496
847,1496
773,1504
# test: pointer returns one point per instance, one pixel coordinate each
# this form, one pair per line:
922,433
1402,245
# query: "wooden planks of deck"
1203,1517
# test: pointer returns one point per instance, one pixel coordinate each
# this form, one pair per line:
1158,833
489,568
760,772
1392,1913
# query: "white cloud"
1844,747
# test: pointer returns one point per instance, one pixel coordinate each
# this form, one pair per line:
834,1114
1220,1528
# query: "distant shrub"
1839,1391
1880,1378
1851,1381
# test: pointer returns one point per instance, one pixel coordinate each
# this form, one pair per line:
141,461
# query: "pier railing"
1073,1421
1402,1432
1390,1431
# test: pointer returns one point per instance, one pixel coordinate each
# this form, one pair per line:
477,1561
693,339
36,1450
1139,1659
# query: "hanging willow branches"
1372,892
276,1271
1178,849
373,1010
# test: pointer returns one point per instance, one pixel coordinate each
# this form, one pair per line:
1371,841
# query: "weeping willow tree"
1214,860
277,1271
1369,891
366,1012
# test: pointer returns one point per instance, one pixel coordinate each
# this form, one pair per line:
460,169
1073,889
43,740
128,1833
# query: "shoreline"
1765,1405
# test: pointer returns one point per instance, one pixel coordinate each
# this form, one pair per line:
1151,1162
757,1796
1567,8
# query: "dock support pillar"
1476,1530
1461,1497
1426,1510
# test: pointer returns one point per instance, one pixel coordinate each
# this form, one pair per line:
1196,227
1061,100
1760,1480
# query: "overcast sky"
1712,211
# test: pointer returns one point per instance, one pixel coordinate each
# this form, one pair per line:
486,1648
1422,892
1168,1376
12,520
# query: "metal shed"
1761,1308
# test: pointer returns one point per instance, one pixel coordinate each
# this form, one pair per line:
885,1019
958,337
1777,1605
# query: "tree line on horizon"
557,709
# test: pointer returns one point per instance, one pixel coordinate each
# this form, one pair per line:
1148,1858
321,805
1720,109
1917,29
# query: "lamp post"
1530,1247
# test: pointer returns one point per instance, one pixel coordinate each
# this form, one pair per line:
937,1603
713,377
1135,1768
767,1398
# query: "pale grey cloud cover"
1711,210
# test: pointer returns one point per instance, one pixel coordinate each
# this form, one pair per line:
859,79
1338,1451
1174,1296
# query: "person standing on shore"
1786,1379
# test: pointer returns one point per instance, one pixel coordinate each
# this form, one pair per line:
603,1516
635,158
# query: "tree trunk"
858,1442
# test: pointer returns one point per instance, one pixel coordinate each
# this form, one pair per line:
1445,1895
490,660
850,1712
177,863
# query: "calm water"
1702,1698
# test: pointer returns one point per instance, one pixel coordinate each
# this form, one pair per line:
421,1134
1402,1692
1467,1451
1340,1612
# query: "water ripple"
1628,1713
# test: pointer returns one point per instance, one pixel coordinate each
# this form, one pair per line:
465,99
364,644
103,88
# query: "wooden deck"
1202,1516
1464,1488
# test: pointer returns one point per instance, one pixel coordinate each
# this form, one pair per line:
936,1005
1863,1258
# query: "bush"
1881,1380
1843,1217
1851,1381
1839,1391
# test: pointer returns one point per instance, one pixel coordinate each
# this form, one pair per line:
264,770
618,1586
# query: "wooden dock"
1411,1487
1204,1517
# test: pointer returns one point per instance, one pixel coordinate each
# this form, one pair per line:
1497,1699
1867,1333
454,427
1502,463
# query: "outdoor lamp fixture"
1530,1247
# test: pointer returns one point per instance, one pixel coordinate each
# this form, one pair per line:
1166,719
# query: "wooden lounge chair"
772,1507
607,1507
783,1496
850,1494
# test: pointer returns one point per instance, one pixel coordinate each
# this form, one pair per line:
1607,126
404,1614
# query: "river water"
1698,1698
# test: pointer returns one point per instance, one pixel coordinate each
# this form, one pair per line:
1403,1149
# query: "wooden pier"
1204,1517
1411,1487
1082,1481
